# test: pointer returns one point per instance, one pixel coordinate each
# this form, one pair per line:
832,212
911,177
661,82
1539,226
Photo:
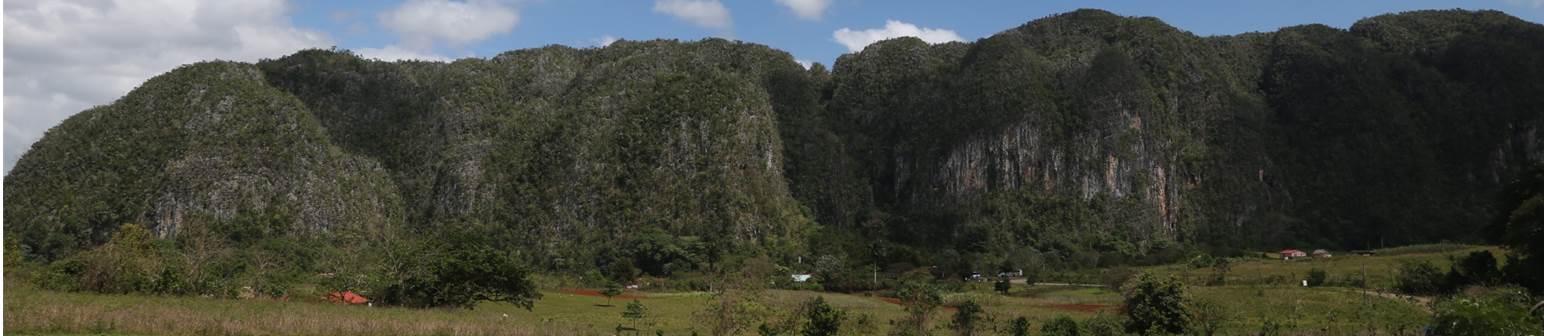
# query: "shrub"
1500,311
635,311
459,268
1156,305
1419,278
612,289
1208,318
1019,327
130,262
1104,325
821,319
920,299
1114,278
1478,268
966,317
1060,326
1316,277
1002,286
1220,268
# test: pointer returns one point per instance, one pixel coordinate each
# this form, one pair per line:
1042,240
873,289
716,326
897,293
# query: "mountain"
1078,139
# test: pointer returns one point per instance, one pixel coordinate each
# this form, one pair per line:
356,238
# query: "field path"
1423,301
1063,284
626,295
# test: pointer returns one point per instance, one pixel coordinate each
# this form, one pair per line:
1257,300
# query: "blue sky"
63,56
357,24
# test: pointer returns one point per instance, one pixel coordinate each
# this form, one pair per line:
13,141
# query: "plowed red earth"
596,293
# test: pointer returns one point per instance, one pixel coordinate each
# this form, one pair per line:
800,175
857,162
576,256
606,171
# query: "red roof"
347,297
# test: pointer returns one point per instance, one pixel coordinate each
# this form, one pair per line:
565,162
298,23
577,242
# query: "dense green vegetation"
1077,141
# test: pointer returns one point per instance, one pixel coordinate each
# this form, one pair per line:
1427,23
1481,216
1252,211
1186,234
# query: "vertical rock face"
566,147
1303,134
1080,105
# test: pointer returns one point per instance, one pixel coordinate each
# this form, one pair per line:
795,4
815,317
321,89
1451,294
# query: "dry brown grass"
33,311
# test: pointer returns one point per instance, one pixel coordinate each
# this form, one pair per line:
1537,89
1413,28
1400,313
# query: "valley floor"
1259,293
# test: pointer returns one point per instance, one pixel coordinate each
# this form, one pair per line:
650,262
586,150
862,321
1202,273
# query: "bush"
1419,278
1104,325
1220,268
635,311
1208,318
1114,278
1019,327
1060,326
612,289
821,319
458,269
130,262
966,318
1316,277
1002,286
920,299
1156,305
1500,311
1478,268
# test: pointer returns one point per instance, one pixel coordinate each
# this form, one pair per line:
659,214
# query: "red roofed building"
347,297
1288,254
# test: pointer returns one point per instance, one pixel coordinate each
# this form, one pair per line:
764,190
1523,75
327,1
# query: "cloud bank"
423,24
703,13
63,56
810,9
855,40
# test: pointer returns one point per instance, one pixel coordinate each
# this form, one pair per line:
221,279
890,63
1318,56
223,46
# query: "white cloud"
804,63
809,9
705,13
855,40
604,41
423,24
63,56
394,52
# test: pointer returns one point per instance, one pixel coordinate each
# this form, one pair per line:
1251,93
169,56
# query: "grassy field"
1341,268
30,311
1259,292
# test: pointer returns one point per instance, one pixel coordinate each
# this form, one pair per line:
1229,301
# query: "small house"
1288,254
1321,253
801,277
347,297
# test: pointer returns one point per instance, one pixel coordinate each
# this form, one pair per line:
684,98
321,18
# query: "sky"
63,56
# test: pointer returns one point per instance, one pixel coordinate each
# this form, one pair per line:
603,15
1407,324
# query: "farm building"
1321,253
1288,254
347,297
801,277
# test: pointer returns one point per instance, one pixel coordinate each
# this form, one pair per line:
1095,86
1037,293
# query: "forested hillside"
1075,140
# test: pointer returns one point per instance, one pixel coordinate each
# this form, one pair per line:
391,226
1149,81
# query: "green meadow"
1259,294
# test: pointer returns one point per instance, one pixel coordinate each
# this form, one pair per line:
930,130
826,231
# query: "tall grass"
33,311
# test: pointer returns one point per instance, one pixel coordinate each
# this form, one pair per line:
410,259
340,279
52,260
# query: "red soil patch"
1079,307
595,293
